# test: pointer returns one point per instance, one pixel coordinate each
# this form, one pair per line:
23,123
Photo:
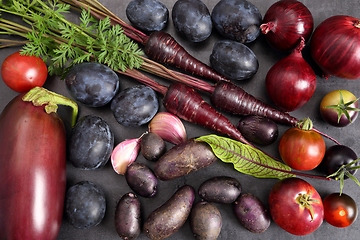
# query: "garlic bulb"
169,127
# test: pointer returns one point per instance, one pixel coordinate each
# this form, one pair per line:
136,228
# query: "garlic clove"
124,154
169,127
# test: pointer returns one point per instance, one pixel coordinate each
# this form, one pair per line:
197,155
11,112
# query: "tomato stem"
305,124
344,107
40,96
343,171
305,200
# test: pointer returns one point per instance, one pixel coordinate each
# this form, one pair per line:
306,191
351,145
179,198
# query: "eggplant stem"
40,96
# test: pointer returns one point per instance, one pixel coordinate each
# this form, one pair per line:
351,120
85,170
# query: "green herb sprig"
63,43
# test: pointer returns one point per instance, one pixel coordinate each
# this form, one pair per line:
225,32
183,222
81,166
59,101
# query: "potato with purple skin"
152,146
205,221
252,213
183,159
169,217
141,179
258,129
222,189
128,217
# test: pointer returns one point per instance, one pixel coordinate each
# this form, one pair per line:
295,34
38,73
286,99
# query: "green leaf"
247,159
345,170
87,21
66,31
62,54
64,43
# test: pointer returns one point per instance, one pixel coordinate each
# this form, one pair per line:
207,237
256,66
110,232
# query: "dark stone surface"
115,185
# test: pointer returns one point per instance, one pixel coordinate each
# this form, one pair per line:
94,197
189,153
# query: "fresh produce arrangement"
183,119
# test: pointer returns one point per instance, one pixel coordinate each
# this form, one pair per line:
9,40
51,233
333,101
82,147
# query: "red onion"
291,82
335,47
285,22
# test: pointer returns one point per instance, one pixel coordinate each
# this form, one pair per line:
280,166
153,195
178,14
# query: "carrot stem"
100,11
161,71
142,78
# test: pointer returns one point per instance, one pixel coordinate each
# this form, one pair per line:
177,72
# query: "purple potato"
252,213
205,221
183,159
258,129
141,179
128,217
221,189
152,146
169,217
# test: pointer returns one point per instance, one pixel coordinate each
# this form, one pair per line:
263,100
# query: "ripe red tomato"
339,108
296,206
22,73
340,210
301,149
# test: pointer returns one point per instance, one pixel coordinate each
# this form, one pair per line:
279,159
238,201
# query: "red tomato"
301,149
340,210
296,206
22,73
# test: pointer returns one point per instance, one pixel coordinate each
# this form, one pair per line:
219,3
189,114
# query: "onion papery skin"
285,22
335,47
291,82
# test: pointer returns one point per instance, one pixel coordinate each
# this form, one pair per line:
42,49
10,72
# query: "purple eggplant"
32,172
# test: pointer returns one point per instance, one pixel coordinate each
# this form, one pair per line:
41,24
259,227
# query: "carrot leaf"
62,43
246,159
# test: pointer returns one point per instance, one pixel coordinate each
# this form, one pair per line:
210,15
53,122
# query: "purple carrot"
233,99
159,46
187,104
163,48
184,102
